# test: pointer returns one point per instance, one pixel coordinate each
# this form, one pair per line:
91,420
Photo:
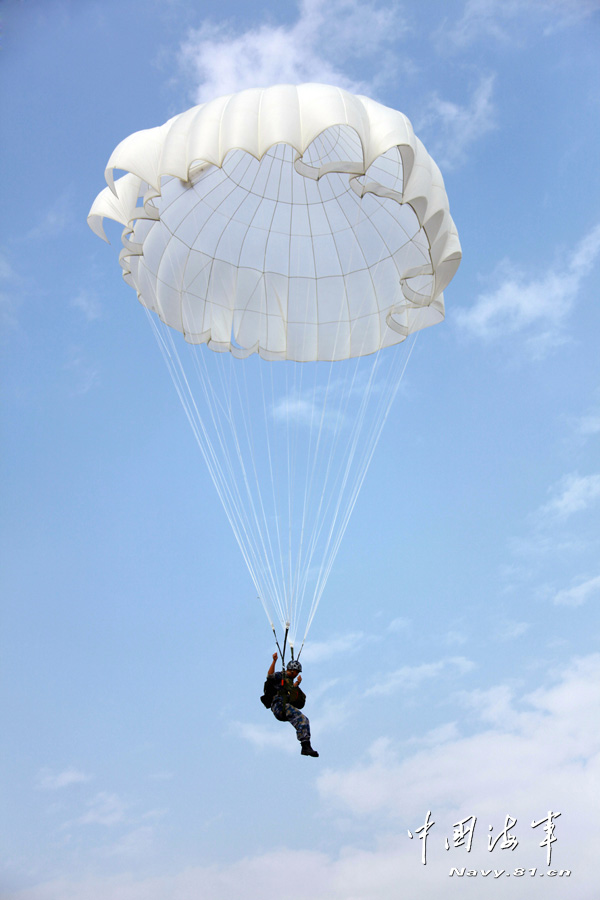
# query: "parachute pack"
289,692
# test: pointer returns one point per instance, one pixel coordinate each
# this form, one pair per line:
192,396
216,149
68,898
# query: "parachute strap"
287,628
282,652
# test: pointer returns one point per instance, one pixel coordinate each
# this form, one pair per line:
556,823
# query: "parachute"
302,233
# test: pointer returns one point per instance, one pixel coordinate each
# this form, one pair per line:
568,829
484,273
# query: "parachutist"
282,694
222,253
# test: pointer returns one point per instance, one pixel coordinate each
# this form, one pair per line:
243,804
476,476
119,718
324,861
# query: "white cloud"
7,272
298,410
493,705
512,630
55,220
321,45
272,736
589,424
506,20
321,651
83,375
49,781
410,677
573,493
137,842
440,735
9,302
280,736
399,625
455,638
104,809
579,593
540,752
88,305
534,307
454,128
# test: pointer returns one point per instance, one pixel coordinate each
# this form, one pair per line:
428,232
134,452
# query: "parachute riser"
282,652
285,637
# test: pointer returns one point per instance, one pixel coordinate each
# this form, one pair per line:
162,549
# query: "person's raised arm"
272,666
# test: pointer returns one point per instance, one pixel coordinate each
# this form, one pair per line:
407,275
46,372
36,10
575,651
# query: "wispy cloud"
588,424
450,129
137,842
455,637
7,272
330,404
103,809
470,769
321,45
54,781
534,307
88,305
410,677
572,493
562,534
296,409
498,19
579,593
540,749
9,301
83,375
493,705
399,625
266,736
321,651
440,735
512,630
56,219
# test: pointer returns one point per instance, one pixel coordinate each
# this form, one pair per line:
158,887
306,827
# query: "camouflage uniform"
285,712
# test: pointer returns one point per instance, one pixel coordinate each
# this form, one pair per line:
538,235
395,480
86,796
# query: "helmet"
293,666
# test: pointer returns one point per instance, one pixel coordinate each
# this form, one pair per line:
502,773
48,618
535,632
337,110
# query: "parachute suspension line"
268,549
360,470
272,480
335,424
258,555
252,532
300,582
228,392
331,421
281,597
385,407
231,504
324,511
241,410
325,422
287,172
338,457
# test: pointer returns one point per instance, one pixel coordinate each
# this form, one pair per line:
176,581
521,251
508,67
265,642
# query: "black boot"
307,750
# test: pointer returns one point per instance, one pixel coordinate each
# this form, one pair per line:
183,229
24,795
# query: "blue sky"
454,662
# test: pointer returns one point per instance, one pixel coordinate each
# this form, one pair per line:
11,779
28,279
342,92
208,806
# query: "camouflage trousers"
285,712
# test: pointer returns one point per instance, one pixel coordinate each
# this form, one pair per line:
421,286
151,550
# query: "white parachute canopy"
300,231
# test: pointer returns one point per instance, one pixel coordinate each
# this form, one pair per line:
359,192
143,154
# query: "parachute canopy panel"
296,222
